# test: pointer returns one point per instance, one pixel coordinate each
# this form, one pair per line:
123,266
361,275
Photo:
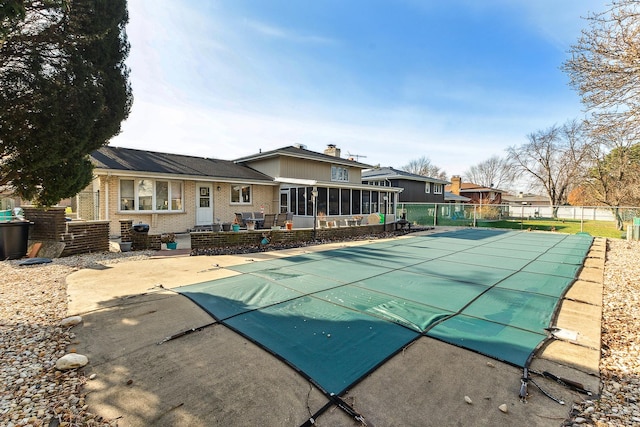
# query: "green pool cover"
337,315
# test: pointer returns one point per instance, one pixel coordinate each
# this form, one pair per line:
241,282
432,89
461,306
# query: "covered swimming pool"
337,315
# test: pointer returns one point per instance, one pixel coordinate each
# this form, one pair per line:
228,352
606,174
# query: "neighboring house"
415,188
449,197
337,181
172,192
525,199
477,194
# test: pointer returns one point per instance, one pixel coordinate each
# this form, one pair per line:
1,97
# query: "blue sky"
456,81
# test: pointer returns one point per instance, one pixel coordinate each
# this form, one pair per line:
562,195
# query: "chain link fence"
472,215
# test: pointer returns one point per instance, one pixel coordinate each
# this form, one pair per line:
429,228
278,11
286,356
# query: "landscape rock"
68,322
71,361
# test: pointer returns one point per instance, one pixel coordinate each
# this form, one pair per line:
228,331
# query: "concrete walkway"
212,376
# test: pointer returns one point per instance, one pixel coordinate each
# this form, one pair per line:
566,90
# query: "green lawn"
595,228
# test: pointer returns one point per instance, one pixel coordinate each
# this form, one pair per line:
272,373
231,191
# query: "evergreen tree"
64,92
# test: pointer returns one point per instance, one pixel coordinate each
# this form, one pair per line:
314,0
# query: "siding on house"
413,185
414,192
300,163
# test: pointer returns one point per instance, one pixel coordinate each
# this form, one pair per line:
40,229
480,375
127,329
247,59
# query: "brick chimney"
456,183
332,150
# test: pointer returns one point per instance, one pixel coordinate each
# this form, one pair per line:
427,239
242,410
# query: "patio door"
284,200
204,204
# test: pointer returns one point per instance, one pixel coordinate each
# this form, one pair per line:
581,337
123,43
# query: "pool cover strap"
335,400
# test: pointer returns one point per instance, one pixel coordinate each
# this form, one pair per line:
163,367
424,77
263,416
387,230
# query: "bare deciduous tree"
605,63
424,167
494,172
614,178
554,158
604,68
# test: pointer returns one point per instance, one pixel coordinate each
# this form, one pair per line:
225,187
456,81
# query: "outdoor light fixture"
218,188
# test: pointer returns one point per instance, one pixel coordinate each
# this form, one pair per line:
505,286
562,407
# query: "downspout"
106,200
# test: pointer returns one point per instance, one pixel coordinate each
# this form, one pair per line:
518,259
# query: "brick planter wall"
125,230
85,237
143,241
213,239
79,237
140,241
48,224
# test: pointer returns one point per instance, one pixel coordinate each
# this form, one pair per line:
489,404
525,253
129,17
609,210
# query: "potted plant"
322,219
170,240
235,225
226,226
289,225
251,223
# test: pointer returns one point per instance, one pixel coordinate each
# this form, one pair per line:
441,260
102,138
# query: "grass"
594,228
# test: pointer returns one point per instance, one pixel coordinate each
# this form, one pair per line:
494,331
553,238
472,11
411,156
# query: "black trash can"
14,239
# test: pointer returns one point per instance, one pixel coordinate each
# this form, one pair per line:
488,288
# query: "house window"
437,188
176,196
127,195
150,195
241,194
339,173
427,187
145,195
162,195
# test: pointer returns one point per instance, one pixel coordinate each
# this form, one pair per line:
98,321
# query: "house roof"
150,162
528,199
391,173
469,187
300,152
451,197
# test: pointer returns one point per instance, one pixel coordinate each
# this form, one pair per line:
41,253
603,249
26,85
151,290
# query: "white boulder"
71,361
70,321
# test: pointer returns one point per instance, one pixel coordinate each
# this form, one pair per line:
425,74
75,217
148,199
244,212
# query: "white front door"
204,204
284,200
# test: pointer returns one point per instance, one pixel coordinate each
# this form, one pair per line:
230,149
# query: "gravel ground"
34,302
620,358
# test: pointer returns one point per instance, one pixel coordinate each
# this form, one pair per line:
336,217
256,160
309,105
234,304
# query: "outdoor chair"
269,220
282,219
